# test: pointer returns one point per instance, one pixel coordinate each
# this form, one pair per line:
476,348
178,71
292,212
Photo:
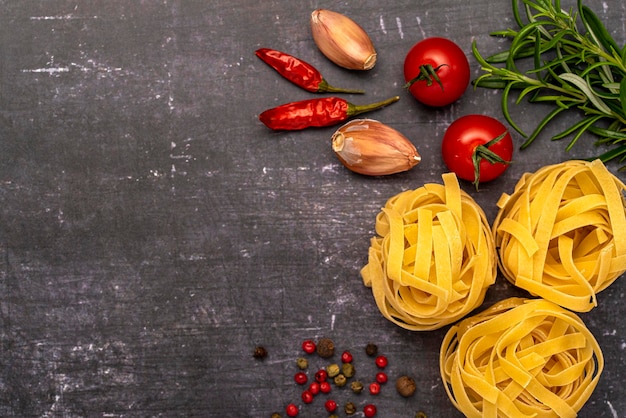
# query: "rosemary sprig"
575,66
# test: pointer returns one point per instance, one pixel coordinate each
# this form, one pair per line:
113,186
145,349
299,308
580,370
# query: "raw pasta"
562,234
433,258
520,358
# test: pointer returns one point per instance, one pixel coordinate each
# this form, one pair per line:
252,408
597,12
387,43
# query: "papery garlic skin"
371,148
342,40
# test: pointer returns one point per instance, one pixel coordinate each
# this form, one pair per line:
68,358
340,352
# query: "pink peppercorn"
330,405
314,388
325,387
321,376
300,378
381,361
374,388
346,357
292,410
309,346
307,396
369,410
381,378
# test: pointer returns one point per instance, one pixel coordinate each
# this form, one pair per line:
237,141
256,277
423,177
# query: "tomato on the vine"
436,71
477,148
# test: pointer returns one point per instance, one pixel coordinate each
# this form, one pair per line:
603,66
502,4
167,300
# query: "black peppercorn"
259,352
405,386
350,408
371,349
325,348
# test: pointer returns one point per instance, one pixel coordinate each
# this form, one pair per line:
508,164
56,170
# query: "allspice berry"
325,348
405,385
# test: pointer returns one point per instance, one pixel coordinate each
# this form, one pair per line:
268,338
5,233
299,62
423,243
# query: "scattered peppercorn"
333,416
276,415
405,386
374,388
371,349
308,346
321,376
325,348
314,388
292,410
420,414
325,387
369,410
349,408
259,352
300,378
347,369
340,380
307,396
330,405
333,370
356,386
381,378
346,357
302,363
381,361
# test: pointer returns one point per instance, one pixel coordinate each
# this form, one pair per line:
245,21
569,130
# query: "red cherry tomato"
477,148
436,71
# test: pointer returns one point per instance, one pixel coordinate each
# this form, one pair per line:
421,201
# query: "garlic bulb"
372,148
342,40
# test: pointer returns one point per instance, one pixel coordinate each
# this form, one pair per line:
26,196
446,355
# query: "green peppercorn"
420,414
340,380
371,349
276,415
347,369
302,363
356,386
350,408
333,370
333,416
325,348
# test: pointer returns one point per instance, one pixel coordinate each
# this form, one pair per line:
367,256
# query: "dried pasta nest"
433,258
520,358
562,234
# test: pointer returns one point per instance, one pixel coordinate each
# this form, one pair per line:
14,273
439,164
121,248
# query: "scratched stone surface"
153,231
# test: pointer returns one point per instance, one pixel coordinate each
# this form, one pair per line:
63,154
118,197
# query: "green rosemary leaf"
588,91
556,111
622,95
597,30
612,154
587,121
505,108
608,134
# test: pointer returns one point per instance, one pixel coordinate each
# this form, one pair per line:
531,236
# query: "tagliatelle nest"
433,258
520,358
562,234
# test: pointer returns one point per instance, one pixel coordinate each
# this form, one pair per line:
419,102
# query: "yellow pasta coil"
561,235
520,358
433,258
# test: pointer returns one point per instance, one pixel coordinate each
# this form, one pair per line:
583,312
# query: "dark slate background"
153,231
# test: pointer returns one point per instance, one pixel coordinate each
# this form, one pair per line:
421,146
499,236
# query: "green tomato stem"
482,152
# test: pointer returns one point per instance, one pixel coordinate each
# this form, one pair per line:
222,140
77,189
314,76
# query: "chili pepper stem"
354,110
324,87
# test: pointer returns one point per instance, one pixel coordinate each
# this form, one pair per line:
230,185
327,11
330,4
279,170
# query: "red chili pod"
326,111
299,72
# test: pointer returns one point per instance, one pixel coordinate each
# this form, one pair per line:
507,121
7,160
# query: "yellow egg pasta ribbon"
433,258
520,358
561,235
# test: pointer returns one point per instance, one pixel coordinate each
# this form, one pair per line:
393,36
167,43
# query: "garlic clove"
369,147
342,40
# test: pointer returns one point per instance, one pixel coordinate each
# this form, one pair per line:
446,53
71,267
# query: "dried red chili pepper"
325,111
299,72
